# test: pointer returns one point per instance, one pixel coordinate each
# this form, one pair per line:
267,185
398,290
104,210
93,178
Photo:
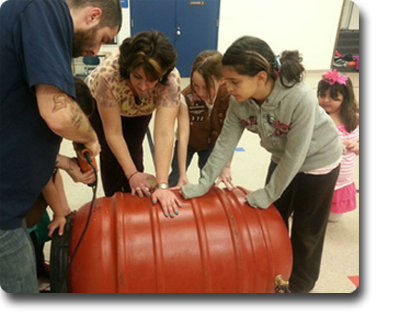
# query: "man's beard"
83,40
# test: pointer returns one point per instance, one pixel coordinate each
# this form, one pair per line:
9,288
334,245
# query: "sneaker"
339,62
348,57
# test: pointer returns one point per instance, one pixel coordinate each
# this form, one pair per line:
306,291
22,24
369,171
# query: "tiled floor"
340,262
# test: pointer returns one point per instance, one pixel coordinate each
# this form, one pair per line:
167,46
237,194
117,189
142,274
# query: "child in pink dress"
336,97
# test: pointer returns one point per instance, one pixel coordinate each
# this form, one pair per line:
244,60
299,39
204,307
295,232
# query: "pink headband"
334,76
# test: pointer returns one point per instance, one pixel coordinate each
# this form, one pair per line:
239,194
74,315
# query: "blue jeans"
17,262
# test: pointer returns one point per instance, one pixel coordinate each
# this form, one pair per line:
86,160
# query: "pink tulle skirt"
344,199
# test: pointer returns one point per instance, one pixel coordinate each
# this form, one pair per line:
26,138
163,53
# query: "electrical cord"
88,158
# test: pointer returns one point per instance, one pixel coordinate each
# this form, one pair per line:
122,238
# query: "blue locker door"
196,30
157,15
191,26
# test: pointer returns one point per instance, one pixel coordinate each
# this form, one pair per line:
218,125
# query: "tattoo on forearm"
60,102
77,116
63,101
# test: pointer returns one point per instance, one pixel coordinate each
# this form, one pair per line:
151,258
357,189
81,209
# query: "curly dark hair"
151,50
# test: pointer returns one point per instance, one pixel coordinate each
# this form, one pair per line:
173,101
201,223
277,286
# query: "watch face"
162,186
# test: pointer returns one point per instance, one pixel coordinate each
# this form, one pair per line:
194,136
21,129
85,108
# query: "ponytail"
250,55
291,69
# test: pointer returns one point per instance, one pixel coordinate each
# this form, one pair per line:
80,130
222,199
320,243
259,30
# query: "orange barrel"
217,244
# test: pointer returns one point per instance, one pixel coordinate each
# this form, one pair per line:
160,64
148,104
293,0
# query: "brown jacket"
205,128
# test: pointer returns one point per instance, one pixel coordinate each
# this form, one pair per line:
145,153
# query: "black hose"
64,287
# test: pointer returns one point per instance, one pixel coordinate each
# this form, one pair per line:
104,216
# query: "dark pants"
112,174
309,197
203,157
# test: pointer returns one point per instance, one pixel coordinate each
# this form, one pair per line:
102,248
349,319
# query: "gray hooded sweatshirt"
292,126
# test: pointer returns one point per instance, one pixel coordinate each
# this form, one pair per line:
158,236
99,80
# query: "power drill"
85,158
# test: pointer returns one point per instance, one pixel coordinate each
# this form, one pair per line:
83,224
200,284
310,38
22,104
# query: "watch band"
162,186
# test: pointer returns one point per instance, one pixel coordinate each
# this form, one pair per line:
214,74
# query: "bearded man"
37,109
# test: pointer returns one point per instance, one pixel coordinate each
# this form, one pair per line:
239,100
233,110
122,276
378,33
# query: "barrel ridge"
203,245
235,236
246,233
157,246
121,239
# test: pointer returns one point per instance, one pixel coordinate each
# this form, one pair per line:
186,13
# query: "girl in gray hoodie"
269,98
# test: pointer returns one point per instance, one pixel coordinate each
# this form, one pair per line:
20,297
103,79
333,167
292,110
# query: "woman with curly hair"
128,86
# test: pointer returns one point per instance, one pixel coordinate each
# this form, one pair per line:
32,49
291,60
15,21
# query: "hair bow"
334,76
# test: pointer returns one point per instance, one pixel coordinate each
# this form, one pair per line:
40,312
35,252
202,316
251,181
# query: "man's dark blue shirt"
36,39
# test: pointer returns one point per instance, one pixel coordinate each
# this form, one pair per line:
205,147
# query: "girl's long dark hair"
349,108
250,55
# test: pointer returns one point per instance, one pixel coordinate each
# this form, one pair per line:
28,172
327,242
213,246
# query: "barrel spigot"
282,286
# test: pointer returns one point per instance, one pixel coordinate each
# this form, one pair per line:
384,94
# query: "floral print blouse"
108,87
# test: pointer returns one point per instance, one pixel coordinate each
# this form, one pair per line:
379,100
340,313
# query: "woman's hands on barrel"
169,201
145,185
140,183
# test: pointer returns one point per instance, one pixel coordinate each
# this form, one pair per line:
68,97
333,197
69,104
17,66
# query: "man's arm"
65,118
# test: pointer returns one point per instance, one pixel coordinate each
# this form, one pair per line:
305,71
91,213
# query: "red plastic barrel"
217,244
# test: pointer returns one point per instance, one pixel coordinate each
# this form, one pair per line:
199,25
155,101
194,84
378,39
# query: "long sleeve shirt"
292,126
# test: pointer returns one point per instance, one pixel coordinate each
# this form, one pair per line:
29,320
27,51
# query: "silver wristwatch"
162,186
